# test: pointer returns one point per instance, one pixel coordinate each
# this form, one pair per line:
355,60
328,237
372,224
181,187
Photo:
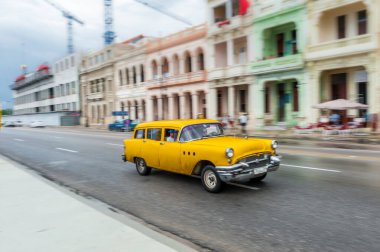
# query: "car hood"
242,146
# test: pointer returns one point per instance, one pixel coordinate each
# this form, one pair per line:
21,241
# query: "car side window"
154,134
171,135
140,134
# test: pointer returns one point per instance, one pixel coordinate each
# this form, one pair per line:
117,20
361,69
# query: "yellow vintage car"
199,147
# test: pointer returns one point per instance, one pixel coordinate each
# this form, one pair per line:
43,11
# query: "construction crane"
109,34
166,12
70,19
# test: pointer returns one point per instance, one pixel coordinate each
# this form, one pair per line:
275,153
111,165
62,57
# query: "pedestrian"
335,118
243,119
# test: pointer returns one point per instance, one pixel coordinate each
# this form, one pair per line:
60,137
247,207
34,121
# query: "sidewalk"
38,215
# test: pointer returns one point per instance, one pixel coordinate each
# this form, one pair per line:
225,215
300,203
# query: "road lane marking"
62,149
309,168
329,149
244,186
19,140
115,144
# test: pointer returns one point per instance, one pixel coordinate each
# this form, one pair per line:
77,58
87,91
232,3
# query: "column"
195,103
171,67
138,73
314,93
159,108
182,106
181,65
140,110
194,65
250,56
251,106
230,52
211,102
171,107
149,109
231,101
258,103
159,70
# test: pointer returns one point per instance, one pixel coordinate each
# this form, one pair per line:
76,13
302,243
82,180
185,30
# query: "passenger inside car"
171,135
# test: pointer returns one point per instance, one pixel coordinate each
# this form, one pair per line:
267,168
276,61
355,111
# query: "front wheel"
211,180
142,168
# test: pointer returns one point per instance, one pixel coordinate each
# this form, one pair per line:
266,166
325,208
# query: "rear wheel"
211,180
142,168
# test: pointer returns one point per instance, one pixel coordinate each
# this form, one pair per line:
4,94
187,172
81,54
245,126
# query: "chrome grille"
255,161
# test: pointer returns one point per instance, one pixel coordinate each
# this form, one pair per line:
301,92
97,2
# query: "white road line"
73,151
20,140
329,149
244,186
309,168
115,144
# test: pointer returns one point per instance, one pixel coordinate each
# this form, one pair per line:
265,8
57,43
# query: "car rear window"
154,134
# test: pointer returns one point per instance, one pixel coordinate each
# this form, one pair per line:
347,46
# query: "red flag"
243,7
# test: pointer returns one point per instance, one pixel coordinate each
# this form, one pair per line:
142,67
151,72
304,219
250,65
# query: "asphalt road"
321,199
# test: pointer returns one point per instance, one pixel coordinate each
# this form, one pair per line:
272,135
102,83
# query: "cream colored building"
130,79
229,51
176,77
343,53
97,85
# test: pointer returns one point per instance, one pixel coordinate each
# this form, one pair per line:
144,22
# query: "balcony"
277,64
322,5
342,47
95,96
271,6
228,72
236,22
177,80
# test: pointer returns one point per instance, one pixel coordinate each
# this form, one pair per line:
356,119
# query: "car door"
169,153
151,147
135,149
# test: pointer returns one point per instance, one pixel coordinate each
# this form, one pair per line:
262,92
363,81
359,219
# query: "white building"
66,83
40,95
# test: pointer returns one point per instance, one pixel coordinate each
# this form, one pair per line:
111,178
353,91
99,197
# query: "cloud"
34,32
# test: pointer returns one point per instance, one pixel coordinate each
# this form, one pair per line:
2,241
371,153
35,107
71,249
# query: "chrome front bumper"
242,172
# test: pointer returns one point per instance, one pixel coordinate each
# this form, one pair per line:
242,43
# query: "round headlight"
229,152
274,144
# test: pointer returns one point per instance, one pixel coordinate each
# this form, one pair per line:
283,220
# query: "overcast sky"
33,32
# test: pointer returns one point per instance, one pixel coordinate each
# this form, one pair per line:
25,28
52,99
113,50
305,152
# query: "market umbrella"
341,104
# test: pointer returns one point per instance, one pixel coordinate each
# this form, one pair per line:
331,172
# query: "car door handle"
162,143
144,141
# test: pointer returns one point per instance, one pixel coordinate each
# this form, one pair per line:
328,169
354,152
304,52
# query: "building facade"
229,51
66,83
343,54
176,77
97,85
130,79
47,95
280,38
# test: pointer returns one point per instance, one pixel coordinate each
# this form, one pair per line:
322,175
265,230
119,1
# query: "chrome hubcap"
140,165
210,179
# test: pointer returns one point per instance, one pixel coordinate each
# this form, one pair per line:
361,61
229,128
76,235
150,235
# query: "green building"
280,34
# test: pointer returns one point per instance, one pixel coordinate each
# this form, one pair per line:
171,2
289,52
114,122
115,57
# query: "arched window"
165,68
134,76
176,64
188,67
154,70
201,61
142,73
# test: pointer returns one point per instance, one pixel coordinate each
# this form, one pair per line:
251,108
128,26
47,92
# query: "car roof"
175,123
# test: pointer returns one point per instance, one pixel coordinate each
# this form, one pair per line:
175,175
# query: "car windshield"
200,131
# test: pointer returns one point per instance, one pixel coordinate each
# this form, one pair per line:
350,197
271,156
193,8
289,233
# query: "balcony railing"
336,44
36,77
182,79
228,71
95,96
266,7
235,22
322,5
337,48
277,64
